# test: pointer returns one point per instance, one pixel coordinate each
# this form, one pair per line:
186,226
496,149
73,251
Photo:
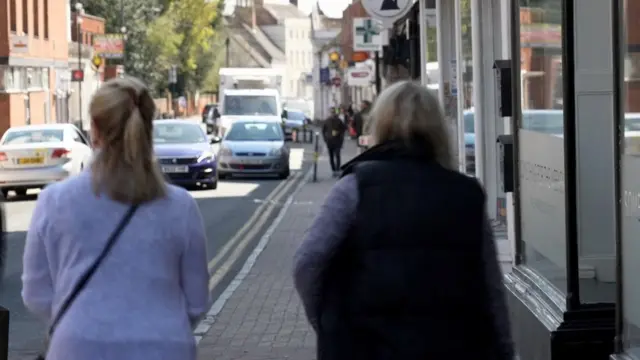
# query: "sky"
331,8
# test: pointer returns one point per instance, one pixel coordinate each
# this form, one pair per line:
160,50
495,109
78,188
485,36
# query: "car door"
81,153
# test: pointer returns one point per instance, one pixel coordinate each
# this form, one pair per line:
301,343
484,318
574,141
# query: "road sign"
366,34
325,76
359,76
77,75
336,81
173,74
96,61
387,11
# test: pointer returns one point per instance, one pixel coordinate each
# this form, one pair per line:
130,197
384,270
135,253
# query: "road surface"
235,215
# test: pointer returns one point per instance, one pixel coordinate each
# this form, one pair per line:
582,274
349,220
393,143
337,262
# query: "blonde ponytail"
122,114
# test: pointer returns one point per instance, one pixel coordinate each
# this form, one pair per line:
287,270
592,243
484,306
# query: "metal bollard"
4,333
316,156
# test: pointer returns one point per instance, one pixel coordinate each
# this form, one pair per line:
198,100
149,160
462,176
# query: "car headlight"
275,152
206,156
225,152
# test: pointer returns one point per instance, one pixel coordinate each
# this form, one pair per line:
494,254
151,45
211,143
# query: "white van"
247,104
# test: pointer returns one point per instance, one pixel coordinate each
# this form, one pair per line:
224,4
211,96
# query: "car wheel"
285,174
5,193
214,185
21,192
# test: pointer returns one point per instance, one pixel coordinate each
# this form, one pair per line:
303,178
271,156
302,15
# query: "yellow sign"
97,61
334,56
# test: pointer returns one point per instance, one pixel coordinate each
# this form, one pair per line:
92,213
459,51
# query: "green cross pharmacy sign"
366,34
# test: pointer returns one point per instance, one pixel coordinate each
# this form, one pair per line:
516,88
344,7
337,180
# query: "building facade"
80,57
33,53
552,86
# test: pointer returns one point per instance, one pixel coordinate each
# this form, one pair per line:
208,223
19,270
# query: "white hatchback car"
34,156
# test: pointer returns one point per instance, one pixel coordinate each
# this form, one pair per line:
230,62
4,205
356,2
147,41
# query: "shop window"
541,144
630,181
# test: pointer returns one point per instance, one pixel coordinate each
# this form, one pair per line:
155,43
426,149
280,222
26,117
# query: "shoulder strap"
92,269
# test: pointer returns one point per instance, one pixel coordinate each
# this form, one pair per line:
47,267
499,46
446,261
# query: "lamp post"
79,13
123,30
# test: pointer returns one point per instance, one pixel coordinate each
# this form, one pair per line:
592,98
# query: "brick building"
33,55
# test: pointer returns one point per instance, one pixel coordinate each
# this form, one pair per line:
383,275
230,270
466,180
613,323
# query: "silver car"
254,147
37,155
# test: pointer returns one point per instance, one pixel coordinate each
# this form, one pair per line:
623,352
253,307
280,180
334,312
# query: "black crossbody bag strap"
92,269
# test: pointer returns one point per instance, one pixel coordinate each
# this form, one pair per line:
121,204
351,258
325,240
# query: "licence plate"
30,160
251,162
175,169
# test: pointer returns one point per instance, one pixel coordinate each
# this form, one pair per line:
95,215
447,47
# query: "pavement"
236,215
259,316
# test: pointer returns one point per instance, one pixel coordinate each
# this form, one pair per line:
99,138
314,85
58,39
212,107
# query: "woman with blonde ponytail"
115,258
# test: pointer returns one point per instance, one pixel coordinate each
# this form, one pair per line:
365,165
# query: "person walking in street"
115,258
400,262
360,117
333,131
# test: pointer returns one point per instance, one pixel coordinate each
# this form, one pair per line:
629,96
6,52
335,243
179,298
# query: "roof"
282,12
57,126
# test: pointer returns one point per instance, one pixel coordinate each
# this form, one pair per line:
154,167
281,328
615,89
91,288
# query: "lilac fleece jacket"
147,294
328,231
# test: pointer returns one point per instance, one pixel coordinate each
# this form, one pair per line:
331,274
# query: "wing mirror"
215,140
285,114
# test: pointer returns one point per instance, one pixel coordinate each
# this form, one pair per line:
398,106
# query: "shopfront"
574,292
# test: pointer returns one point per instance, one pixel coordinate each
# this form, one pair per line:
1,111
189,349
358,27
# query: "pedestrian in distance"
333,131
115,258
400,262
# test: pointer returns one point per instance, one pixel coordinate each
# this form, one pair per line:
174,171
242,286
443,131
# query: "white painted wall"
299,54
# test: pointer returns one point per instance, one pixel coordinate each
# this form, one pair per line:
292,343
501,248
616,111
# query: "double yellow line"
247,232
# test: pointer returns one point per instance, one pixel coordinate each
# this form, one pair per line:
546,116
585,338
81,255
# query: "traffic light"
77,75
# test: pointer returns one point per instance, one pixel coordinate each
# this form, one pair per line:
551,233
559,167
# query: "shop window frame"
571,296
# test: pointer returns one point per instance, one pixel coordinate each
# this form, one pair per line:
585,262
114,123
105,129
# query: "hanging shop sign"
387,11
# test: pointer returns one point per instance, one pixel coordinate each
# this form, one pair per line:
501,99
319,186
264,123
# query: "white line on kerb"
217,306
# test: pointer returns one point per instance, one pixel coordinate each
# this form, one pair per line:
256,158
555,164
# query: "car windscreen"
295,115
178,134
15,137
250,105
255,132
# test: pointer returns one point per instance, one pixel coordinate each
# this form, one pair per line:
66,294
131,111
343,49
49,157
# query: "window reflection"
541,144
631,181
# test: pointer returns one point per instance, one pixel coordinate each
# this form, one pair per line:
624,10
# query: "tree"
135,15
184,35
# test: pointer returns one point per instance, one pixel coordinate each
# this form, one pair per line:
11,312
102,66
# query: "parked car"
34,156
185,153
254,147
295,121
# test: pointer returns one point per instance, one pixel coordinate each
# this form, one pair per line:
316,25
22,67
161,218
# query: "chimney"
253,15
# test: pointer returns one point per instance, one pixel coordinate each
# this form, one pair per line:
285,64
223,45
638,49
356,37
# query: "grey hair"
406,111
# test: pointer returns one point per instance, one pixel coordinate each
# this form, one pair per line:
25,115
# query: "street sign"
387,11
336,81
173,75
325,76
96,61
359,76
366,34
77,75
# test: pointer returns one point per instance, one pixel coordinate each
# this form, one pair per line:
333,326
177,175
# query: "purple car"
185,154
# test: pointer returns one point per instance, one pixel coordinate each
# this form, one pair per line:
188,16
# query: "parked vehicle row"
34,156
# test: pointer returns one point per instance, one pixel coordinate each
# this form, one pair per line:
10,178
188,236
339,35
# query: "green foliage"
162,33
184,35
